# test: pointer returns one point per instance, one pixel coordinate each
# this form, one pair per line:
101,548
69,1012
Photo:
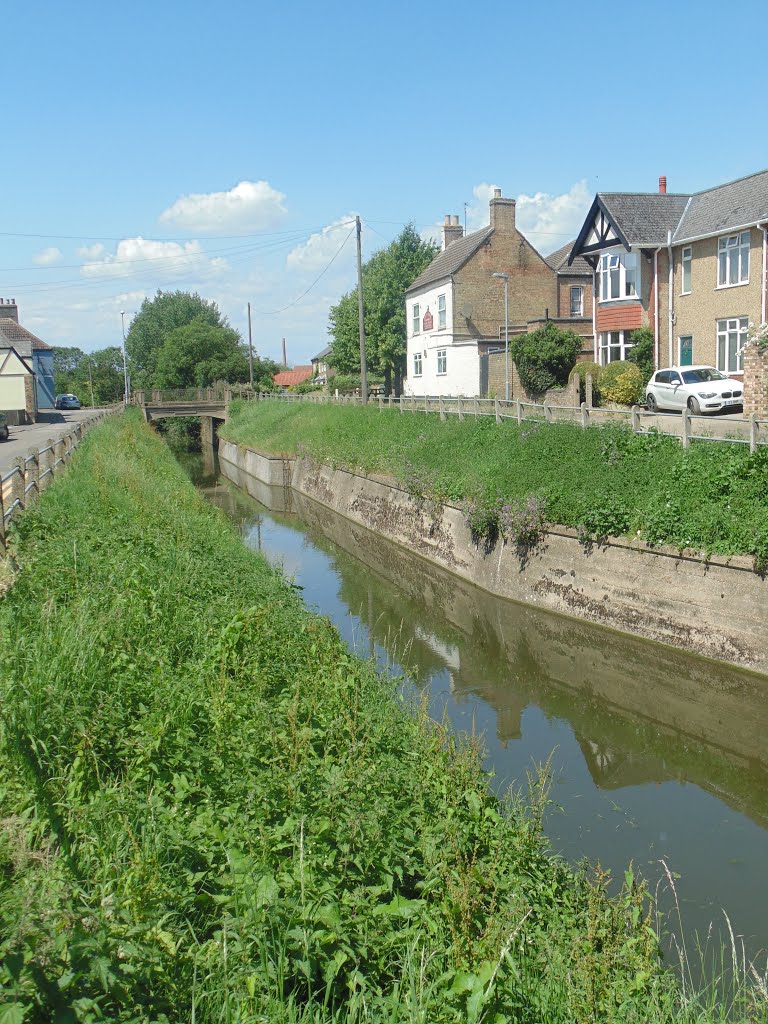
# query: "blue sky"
225,148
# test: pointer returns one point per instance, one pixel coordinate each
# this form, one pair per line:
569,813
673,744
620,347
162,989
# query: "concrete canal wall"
716,607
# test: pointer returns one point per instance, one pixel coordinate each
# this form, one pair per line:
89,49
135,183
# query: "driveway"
35,435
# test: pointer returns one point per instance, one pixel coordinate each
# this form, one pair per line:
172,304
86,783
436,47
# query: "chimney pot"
447,220
663,183
455,220
497,193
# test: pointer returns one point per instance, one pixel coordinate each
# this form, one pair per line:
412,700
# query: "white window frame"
618,272
441,313
733,259
731,329
607,340
580,304
415,319
686,265
442,361
418,367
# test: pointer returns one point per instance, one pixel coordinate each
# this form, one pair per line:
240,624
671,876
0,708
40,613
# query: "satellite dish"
466,311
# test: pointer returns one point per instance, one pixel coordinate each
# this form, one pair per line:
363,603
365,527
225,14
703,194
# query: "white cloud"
147,258
47,257
551,221
249,206
91,252
320,248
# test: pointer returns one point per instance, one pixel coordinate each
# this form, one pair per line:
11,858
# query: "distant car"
67,402
703,389
3,427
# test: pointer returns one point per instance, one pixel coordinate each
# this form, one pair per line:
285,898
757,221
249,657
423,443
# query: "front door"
686,350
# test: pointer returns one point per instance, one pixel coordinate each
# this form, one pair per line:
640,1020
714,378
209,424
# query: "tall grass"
211,811
602,481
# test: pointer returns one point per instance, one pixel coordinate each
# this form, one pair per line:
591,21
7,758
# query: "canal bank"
716,607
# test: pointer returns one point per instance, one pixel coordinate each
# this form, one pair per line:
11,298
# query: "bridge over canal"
209,404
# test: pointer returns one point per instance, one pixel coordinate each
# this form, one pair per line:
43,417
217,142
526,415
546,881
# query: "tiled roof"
558,261
733,205
322,355
451,259
645,217
287,378
19,337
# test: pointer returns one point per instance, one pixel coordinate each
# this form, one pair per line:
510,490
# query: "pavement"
36,435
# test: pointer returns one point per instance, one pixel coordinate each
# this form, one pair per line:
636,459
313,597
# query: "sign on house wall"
428,321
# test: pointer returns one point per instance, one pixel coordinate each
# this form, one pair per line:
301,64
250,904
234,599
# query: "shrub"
307,387
581,370
545,357
642,352
622,382
524,521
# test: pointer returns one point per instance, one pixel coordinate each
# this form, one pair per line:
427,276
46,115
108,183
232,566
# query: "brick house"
37,353
455,308
320,368
691,267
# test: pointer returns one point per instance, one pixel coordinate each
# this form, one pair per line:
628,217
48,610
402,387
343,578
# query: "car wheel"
651,403
694,406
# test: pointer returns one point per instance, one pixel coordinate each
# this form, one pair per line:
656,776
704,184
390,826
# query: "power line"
274,312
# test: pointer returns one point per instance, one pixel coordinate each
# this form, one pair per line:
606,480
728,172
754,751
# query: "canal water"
657,758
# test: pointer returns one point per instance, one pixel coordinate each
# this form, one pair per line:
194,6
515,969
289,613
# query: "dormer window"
618,276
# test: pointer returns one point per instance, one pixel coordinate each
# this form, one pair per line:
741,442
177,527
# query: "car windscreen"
704,373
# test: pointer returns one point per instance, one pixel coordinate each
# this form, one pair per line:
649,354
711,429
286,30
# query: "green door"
686,350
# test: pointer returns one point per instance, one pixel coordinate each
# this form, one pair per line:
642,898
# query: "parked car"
703,389
3,427
67,402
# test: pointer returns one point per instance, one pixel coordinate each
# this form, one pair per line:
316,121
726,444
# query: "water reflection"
657,754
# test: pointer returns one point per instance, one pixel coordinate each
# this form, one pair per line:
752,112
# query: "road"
35,435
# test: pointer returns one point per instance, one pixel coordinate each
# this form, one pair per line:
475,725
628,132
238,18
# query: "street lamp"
505,279
125,365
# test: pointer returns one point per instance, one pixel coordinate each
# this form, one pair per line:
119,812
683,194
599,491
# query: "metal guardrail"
33,472
745,430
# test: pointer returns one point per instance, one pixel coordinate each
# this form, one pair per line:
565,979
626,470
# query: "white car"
702,389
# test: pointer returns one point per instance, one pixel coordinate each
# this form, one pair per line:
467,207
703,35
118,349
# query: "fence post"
588,389
547,412
35,455
402,404
686,427
18,482
50,459
584,415
391,399
58,455
2,517
753,427
476,407
519,412
426,403
460,408
635,419
441,408
381,403
497,410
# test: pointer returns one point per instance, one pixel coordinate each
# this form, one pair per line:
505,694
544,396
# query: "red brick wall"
619,318
755,381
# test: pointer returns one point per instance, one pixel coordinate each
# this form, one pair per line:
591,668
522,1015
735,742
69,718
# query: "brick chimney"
452,230
663,183
8,308
502,212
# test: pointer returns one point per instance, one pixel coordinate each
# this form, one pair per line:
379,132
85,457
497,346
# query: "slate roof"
19,337
451,259
733,205
645,217
322,355
287,378
558,261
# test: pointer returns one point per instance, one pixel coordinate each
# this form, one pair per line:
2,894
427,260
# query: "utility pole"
125,364
90,378
363,376
250,348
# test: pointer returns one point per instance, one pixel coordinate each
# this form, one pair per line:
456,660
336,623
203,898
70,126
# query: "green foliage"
622,382
642,353
157,318
198,354
712,497
350,383
307,387
386,275
545,357
75,371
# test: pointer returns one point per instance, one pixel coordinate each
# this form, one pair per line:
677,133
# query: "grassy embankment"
711,497
210,810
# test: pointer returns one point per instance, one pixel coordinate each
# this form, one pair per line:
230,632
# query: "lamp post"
125,365
505,279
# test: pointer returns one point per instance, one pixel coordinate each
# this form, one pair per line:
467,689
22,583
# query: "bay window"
618,276
731,339
614,345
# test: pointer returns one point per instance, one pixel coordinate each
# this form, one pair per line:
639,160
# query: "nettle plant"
524,522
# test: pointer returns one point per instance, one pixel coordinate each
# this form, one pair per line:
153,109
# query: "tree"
386,276
156,319
75,371
198,354
545,357
642,351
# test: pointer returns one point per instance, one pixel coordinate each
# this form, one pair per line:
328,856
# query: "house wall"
698,312
628,314
12,393
42,361
564,284
461,378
